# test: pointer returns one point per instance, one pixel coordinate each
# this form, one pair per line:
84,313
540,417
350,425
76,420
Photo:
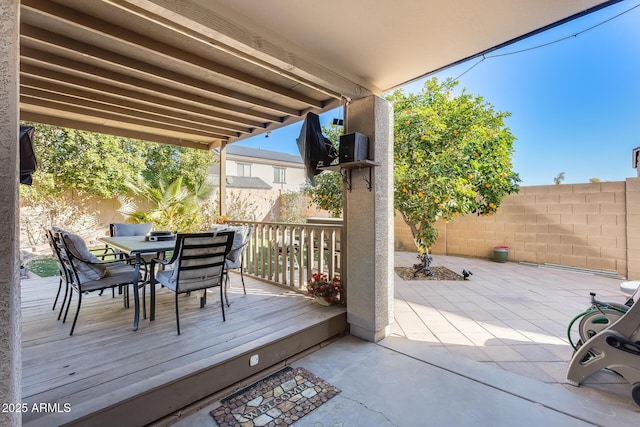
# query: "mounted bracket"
346,168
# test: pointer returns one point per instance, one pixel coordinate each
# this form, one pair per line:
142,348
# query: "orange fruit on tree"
487,185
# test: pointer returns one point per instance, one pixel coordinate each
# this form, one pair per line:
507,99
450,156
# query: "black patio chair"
120,229
64,279
235,258
87,273
198,263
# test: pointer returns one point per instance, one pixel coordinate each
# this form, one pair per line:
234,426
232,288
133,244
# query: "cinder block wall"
581,225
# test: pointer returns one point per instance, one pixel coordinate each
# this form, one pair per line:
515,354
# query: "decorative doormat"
279,399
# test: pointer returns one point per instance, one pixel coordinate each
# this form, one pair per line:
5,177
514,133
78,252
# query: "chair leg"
177,315
242,278
222,304
152,315
203,298
126,296
66,312
226,287
75,318
144,301
64,300
58,294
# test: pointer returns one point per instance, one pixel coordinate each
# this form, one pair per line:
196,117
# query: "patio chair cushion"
123,229
87,264
240,233
113,276
167,278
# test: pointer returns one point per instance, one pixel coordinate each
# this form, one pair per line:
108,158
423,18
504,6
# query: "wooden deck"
106,374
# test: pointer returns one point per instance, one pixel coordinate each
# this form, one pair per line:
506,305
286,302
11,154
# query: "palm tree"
173,207
558,179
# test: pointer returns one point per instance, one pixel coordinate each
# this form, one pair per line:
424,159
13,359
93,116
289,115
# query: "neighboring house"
260,177
262,169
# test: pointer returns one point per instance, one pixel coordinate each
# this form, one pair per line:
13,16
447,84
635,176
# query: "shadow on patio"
508,315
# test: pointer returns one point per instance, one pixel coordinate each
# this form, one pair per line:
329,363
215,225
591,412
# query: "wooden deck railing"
288,253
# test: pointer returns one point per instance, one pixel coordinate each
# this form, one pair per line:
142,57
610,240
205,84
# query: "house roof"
198,73
259,153
251,182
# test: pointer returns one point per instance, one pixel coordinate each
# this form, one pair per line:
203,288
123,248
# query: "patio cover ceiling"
200,72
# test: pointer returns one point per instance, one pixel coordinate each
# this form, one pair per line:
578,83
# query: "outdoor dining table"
137,245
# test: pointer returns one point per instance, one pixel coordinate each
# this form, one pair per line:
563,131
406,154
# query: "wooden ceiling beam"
77,106
246,44
46,66
135,41
32,116
28,83
50,42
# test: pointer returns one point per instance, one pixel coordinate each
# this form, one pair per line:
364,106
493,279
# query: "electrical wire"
498,55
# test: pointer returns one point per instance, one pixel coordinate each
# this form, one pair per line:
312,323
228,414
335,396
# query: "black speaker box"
353,147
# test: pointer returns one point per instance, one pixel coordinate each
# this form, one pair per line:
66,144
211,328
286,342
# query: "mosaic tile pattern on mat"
278,400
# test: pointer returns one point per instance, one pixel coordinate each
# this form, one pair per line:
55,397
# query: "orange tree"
452,155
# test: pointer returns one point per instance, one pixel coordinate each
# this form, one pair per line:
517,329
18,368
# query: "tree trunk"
413,228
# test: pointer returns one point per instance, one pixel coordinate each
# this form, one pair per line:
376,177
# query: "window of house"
279,175
244,169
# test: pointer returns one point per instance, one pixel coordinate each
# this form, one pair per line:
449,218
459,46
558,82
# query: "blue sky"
574,104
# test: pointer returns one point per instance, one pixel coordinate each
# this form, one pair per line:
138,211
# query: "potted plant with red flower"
326,292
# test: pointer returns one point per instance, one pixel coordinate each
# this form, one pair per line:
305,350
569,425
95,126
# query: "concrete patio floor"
509,315
488,351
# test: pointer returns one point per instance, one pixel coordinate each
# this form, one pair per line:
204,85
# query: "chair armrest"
110,262
103,252
86,261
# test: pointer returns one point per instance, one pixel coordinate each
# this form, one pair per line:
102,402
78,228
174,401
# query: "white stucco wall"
10,349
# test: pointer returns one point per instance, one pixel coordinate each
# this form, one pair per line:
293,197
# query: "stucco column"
222,184
10,348
368,223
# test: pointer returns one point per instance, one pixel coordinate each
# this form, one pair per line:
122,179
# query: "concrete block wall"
581,225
